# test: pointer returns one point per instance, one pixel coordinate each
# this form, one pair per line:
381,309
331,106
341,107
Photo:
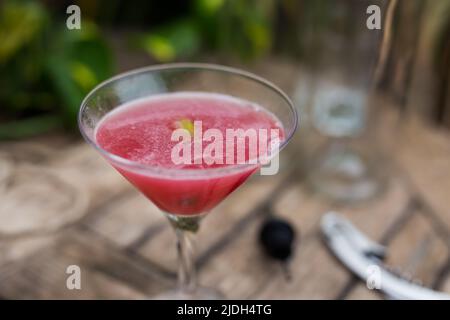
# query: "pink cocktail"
141,131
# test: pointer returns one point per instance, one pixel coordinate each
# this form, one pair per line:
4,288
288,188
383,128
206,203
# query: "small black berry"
277,238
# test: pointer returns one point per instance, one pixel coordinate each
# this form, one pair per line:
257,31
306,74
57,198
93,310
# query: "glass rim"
162,171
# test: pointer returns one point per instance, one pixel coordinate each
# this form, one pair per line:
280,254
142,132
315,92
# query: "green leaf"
20,22
259,36
208,7
179,39
185,124
83,76
159,47
78,61
68,90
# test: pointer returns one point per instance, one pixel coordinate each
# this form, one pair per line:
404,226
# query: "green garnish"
186,124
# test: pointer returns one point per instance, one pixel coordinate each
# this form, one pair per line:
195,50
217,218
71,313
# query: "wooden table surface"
61,205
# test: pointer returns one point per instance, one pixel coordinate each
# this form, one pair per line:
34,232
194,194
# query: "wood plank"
105,272
34,152
125,219
422,153
6,170
37,196
375,217
13,251
446,284
84,166
361,292
417,251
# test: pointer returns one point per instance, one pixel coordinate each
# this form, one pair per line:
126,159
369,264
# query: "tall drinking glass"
341,55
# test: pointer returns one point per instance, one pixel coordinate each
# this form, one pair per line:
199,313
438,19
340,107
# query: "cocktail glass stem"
187,275
185,228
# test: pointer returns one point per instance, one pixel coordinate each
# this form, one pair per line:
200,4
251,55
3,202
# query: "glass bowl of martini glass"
186,136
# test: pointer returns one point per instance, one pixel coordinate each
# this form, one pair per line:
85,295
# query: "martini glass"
172,189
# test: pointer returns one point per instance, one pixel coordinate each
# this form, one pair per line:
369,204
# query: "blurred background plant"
229,27
46,69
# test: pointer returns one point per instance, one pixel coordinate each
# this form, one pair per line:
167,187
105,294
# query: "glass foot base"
345,175
200,293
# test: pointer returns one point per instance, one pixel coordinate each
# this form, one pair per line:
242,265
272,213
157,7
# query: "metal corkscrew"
362,255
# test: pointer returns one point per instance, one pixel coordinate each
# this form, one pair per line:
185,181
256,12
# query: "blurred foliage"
45,69
169,42
230,27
